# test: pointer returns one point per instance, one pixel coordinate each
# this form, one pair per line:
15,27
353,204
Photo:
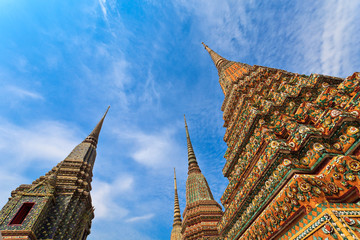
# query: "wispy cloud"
222,24
22,93
150,94
141,218
337,30
324,37
103,7
308,36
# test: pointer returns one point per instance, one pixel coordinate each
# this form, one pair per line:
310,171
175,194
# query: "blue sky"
63,62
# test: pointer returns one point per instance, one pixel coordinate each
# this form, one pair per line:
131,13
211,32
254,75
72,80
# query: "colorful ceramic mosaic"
293,145
202,213
60,200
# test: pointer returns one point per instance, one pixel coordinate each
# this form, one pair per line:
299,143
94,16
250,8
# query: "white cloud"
105,197
154,150
141,218
21,147
46,141
9,181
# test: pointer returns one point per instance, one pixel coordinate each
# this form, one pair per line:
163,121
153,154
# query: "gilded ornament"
343,138
300,197
316,190
281,216
328,121
305,161
341,169
354,166
290,194
337,176
349,177
333,92
354,113
352,129
334,113
325,84
318,147
349,221
327,229
274,144
333,188
310,154
344,183
287,162
318,182
305,187
303,129
276,174
337,146
286,207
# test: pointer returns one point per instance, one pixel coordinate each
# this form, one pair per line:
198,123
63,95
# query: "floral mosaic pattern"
280,123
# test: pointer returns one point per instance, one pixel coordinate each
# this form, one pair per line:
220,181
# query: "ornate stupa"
202,213
57,205
293,159
176,231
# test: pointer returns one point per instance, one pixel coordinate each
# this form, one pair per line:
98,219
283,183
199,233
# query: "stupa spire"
94,135
57,204
177,215
202,213
193,165
218,60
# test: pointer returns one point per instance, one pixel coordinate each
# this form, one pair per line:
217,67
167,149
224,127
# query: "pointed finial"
191,154
177,215
206,47
218,60
94,135
175,180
